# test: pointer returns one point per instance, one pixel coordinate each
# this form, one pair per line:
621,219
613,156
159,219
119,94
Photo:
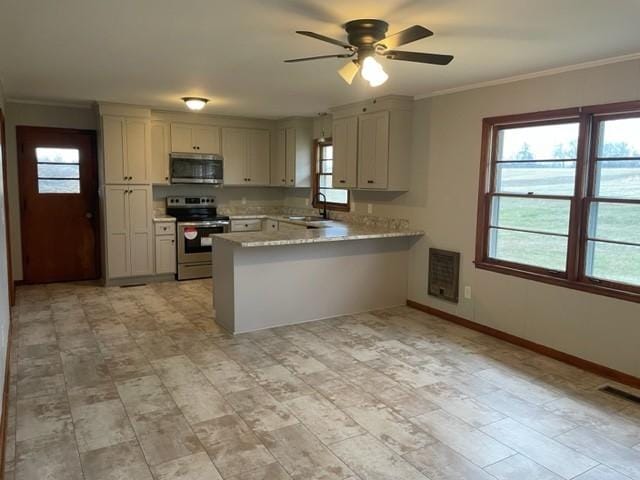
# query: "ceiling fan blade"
294,60
317,36
408,35
433,58
349,71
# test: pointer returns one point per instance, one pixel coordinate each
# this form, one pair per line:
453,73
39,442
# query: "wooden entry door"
58,204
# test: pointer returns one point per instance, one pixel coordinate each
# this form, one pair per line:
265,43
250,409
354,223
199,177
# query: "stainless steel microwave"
196,168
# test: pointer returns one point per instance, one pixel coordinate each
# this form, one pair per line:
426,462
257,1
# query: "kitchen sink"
308,218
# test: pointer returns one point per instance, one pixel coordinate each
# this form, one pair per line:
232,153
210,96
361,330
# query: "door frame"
94,158
3,146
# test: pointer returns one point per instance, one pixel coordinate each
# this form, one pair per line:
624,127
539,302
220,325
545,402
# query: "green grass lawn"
612,222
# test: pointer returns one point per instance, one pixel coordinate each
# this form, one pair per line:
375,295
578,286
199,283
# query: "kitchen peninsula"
273,278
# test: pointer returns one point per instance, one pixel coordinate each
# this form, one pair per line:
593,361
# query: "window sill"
559,281
336,207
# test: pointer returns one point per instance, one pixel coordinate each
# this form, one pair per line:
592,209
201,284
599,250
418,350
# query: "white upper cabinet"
258,155
373,150
206,139
380,131
187,138
126,149
345,152
160,149
279,163
294,147
181,141
113,148
323,126
246,154
138,138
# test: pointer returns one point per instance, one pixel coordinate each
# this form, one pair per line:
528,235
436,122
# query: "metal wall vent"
444,272
616,392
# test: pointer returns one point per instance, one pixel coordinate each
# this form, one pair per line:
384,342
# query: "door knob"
89,215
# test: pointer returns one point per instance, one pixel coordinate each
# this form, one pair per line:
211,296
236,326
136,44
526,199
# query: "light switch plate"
369,208
467,292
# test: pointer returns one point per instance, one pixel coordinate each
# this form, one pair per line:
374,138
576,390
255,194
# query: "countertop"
331,231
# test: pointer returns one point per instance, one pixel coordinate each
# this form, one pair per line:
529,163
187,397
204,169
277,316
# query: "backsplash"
347,217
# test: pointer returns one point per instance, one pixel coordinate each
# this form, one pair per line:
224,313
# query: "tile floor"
140,383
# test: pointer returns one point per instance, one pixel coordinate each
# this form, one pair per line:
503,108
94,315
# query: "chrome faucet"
324,204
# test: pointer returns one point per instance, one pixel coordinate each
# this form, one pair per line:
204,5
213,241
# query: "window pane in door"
619,222
537,178
58,186
48,170
536,214
618,179
546,251
619,138
614,262
57,155
542,142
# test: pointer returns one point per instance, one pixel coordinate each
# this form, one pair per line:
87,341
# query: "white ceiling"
152,52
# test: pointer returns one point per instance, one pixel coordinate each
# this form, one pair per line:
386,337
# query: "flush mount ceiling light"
367,38
195,103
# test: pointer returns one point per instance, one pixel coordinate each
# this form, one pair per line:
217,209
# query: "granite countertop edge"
240,238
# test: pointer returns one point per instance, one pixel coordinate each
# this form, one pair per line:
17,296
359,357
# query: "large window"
337,198
560,198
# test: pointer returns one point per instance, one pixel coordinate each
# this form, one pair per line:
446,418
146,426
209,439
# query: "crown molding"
527,76
51,103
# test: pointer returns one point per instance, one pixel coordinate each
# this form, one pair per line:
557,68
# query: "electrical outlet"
369,208
467,292
244,201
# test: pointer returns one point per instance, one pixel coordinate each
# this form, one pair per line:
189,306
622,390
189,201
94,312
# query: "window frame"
339,207
575,277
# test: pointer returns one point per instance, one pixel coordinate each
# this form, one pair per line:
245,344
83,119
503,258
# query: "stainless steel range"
197,219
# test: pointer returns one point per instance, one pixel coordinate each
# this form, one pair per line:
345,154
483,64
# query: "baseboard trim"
567,358
5,401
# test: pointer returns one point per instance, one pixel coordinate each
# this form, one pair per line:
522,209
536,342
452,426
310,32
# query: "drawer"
270,225
165,228
251,225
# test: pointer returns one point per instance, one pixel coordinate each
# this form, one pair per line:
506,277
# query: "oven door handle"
216,223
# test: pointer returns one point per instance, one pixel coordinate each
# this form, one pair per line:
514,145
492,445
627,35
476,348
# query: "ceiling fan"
367,38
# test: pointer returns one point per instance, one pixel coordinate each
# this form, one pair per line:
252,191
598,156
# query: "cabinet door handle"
343,181
172,242
166,178
124,178
369,181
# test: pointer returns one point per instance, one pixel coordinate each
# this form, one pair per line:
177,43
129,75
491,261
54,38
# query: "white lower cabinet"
165,247
129,230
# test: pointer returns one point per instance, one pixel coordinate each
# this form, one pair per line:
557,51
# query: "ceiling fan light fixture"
195,103
349,71
373,72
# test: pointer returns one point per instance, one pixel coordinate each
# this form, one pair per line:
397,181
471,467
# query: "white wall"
26,114
443,202
4,283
